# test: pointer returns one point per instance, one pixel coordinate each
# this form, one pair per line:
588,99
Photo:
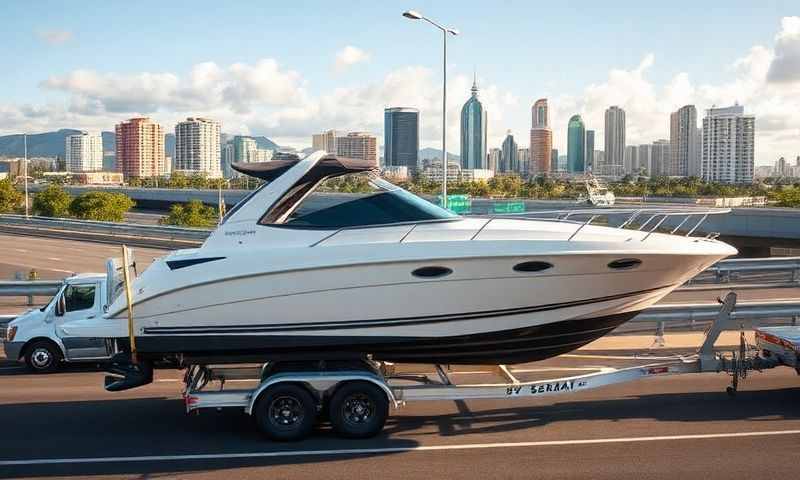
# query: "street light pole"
25,146
413,15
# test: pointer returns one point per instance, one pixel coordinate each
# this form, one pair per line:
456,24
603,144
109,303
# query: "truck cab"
38,336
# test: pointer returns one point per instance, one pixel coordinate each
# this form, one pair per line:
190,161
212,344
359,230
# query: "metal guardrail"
36,288
160,232
693,312
723,269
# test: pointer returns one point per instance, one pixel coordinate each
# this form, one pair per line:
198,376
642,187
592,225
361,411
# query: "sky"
290,69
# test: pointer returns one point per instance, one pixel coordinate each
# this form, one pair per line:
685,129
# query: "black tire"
358,410
285,412
43,356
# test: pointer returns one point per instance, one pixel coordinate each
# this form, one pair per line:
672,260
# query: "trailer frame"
322,379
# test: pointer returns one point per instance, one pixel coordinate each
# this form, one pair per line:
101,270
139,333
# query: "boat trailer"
288,398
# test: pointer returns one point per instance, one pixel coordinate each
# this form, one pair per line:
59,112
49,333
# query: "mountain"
266,144
48,144
431,153
51,144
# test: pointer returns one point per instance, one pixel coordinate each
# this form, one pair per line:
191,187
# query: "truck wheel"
285,412
43,357
358,410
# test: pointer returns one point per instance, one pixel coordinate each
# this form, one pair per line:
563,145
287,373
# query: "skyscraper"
728,145
244,149
509,163
660,158
524,161
227,160
589,150
473,132
576,145
401,137
554,160
541,138
325,141
197,147
684,141
614,145
631,163
84,153
493,159
644,158
140,148
359,145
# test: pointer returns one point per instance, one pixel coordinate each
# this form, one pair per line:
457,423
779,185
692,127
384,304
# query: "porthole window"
431,272
532,266
625,263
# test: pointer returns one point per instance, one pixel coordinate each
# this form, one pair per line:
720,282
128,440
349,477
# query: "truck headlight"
11,333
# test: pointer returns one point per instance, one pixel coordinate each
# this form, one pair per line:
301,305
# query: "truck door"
81,301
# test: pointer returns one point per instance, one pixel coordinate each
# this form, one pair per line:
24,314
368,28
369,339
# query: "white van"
36,337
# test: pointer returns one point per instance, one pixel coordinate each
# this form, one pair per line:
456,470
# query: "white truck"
37,337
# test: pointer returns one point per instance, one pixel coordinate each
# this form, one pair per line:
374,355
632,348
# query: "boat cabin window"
360,199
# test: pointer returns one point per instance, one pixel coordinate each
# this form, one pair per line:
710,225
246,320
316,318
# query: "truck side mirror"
61,306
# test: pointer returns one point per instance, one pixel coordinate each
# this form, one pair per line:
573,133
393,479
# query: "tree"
53,201
105,206
10,198
192,214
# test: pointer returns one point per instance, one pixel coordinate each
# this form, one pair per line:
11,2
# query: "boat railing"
648,220
642,219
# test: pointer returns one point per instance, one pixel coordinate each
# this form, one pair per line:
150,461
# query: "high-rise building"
493,159
140,148
576,145
359,145
473,132
631,159
244,149
660,158
600,160
614,145
554,160
197,148
684,142
541,137
644,157
227,160
84,153
509,163
401,137
728,145
325,141
589,150
524,161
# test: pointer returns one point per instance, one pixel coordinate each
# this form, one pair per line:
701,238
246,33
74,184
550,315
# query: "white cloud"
55,37
349,56
267,98
785,66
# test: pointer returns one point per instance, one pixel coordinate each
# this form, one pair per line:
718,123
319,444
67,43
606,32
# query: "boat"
328,260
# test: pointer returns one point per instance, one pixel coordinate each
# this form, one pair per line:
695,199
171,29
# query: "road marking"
622,357
55,259
367,451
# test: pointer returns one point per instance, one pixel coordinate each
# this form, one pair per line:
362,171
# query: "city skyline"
276,92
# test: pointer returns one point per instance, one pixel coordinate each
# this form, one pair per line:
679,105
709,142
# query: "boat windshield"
361,199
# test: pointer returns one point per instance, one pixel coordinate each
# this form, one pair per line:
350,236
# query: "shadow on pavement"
158,426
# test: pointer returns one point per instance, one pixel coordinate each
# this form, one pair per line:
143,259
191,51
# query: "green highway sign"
460,204
508,207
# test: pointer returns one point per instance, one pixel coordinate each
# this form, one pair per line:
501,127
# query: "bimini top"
327,166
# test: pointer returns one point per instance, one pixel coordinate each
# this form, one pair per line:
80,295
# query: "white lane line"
621,357
55,259
421,448
21,250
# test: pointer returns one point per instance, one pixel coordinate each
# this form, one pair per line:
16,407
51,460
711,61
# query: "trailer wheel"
285,412
42,356
358,410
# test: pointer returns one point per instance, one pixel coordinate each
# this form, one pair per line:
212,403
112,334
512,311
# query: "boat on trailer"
328,261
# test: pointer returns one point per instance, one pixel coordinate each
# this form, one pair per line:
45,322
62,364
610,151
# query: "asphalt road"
65,424
669,427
